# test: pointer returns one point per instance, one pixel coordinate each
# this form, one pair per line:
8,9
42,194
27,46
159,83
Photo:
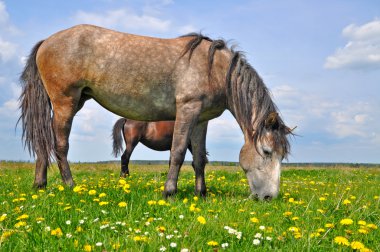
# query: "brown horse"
154,135
190,79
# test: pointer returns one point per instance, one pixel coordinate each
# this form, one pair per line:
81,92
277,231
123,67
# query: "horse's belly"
143,106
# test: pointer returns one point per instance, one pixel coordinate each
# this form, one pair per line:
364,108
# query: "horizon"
320,62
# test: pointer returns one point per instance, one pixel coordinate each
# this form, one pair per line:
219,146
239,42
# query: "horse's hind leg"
130,144
64,108
198,146
40,179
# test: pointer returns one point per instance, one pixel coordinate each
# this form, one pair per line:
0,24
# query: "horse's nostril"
267,197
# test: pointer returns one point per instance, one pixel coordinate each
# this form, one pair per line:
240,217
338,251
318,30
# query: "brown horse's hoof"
38,186
124,175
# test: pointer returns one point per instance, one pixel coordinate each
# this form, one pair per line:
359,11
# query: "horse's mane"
247,94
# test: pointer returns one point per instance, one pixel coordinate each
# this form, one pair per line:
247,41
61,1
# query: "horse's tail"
36,112
117,137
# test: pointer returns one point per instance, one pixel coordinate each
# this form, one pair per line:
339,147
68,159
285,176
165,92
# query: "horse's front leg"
198,145
186,117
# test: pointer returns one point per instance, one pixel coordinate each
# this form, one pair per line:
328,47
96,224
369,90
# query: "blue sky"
320,59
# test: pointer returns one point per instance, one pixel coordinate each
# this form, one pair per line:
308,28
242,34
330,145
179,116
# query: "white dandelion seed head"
173,244
256,242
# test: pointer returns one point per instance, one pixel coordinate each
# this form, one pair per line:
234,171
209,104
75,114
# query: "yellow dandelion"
103,203
201,220
291,200
286,214
79,229
195,198
254,220
297,235
341,241
122,181
77,189
152,202
294,229
23,217
116,246
122,204
212,243
161,229
161,202
346,222
20,224
321,211
185,200
3,217
357,245
363,230
321,230
295,218
87,248
362,222
162,188
92,192
102,195
34,196
322,199
5,235
346,202
329,225
56,232
61,188
371,226
67,208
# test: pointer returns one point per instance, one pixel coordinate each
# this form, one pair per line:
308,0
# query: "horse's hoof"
38,186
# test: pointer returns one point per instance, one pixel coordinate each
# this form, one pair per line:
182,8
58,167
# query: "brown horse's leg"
64,111
131,138
186,117
40,179
198,145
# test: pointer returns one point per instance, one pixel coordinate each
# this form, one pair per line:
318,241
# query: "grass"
317,210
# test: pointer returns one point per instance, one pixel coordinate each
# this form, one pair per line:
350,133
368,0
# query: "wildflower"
122,181
20,224
357,245
56,232
201,220
92,192
341,241
321,211
286,214
258,235
152,202
329,225
268,238
116,246
68,235
161,202
346,222
295,218
161,229
87,248
102,195
98,244
122,204
34,196
294,229
371,226
185,200
181,216
213,243
363,230
102,203
322,199
291,200
22,217
3,217
5,235
262,227
346,202
256,242
173,244
254,220
362,222
79,229
195,198
162,248
78,189
224,245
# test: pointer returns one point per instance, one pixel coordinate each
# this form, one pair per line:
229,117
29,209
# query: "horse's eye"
267,153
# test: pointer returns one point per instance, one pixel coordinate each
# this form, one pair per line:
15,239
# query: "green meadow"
318,209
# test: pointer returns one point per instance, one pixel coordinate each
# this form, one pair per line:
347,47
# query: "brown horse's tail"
36,112
117,137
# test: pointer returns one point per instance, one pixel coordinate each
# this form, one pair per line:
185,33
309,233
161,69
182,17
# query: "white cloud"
7,50
187,29
341,119
125,19
362,50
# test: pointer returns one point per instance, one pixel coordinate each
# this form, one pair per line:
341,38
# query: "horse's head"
261,157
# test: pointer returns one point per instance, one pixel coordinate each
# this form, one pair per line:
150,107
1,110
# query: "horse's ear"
272,120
